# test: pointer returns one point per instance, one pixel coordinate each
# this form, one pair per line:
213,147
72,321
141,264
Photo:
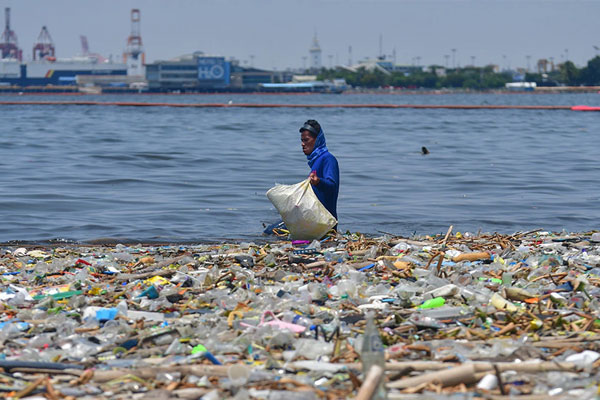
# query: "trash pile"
458,315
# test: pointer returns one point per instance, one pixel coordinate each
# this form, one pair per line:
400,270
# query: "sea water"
195,174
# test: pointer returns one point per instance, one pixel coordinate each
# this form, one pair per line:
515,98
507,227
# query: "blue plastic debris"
106,314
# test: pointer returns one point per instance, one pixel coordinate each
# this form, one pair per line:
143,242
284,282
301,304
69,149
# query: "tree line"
477,78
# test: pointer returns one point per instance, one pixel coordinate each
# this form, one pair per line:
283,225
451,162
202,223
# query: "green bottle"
433,303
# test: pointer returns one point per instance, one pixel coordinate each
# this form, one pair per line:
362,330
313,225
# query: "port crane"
134,55
44,47
85,50
8,40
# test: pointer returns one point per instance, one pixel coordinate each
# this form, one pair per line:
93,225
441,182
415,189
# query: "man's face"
308,142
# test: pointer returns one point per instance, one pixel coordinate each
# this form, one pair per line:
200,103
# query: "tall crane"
44,47
8,40
135,50
85,50
84,45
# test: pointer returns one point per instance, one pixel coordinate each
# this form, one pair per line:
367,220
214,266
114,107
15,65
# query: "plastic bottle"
315,244
433,303
372,353
270,260
304,321
122,308
507,278
298,319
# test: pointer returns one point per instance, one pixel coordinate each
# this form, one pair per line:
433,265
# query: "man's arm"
331,175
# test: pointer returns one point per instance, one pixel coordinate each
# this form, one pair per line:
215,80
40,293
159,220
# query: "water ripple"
121,173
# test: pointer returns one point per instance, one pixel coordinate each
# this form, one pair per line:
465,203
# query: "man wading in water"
325,173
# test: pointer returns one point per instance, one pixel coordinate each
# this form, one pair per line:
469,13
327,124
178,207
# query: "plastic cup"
238,374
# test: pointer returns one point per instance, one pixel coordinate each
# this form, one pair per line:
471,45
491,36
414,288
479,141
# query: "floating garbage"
487,315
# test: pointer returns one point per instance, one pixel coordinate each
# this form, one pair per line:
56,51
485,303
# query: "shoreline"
257,239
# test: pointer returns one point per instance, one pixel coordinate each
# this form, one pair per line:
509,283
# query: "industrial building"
198,72
47,72
92,73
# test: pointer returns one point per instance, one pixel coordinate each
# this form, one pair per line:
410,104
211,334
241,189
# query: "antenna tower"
349,56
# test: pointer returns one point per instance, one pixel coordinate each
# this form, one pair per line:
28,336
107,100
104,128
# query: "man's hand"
314,179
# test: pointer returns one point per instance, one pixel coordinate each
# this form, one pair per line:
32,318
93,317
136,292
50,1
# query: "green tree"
495,81
454,80
591,73
569,74
398,80
467,78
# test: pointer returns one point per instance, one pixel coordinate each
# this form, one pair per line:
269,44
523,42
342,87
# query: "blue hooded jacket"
326,166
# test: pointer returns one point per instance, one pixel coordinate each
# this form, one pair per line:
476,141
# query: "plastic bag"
304,215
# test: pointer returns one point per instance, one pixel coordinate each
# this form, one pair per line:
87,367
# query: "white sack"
304,215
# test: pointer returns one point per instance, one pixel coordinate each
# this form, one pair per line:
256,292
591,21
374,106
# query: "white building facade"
315,55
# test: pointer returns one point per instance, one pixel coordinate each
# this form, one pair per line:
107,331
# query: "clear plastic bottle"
372,353
270,260
298,319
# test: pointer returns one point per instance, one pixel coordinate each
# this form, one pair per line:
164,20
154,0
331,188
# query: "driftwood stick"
439,264
447,235
418,365
537,366
371,383
316,264
531,367
559,275
150,372
30,388
467,373
442,251
547,340
402,365
480,255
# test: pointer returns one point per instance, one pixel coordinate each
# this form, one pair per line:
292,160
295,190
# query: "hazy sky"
279,32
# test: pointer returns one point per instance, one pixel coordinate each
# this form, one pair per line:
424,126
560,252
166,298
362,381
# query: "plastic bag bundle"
304,215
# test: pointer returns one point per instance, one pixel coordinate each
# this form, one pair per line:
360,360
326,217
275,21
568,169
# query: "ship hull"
53,73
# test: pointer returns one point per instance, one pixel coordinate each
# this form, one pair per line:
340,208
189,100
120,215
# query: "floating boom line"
252,105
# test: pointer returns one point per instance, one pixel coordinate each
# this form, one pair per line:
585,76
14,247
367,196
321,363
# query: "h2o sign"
213,68
211,72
